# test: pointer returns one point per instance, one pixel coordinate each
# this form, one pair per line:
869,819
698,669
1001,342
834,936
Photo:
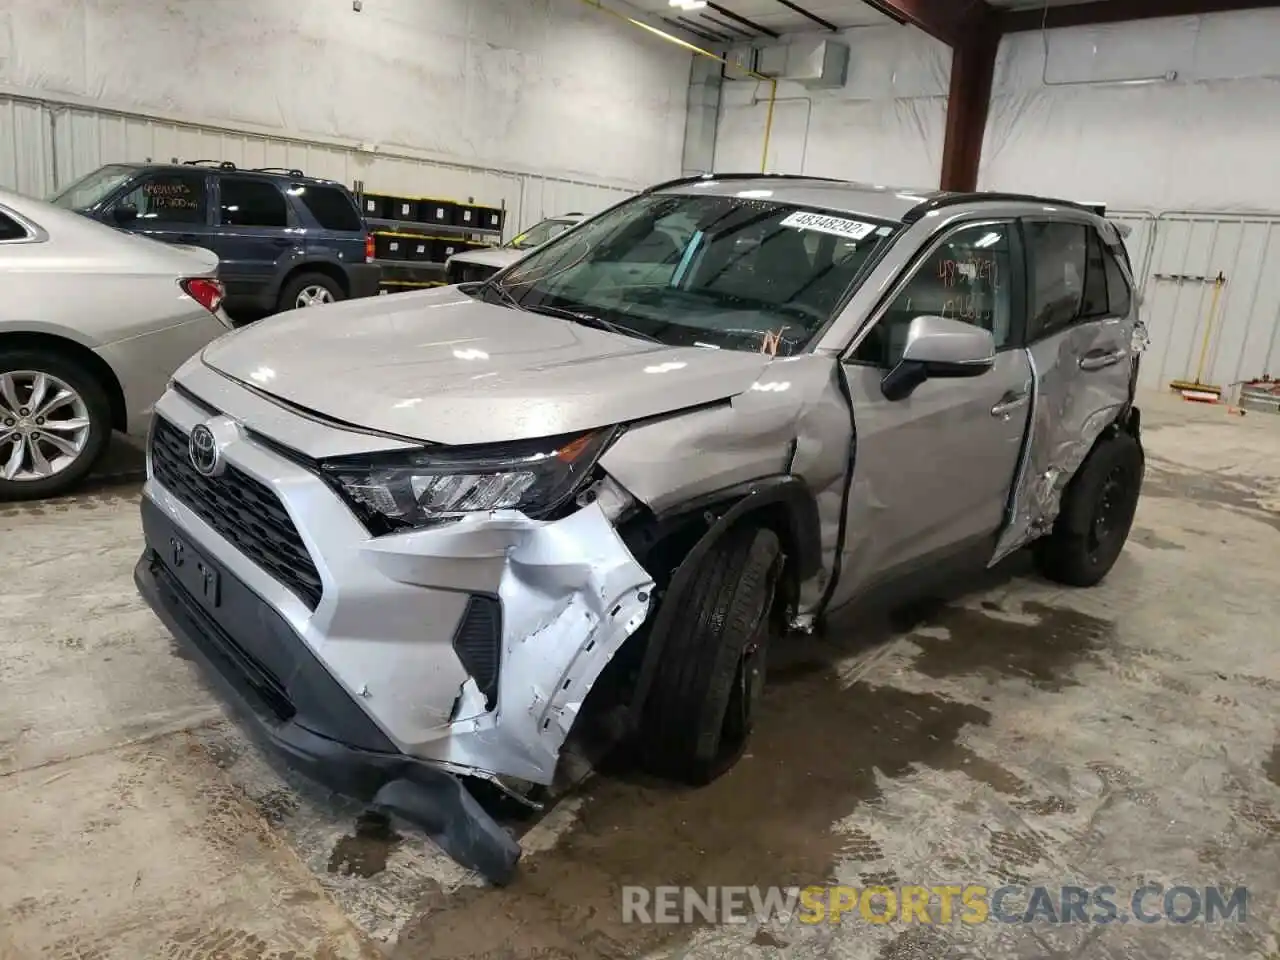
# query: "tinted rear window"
332,208
252,203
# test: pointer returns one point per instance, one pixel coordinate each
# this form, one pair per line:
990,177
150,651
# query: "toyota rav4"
410,534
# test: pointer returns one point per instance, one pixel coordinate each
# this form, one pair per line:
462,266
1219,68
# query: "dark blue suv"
284,240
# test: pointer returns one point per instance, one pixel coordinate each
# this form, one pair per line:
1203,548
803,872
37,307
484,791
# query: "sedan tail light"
204,291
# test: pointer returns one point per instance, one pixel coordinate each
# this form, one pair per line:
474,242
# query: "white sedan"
93,321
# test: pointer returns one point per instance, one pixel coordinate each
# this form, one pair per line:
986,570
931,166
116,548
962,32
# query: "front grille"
463,272
247,513
478,644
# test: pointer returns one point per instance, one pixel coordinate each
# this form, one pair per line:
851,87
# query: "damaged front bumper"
461,650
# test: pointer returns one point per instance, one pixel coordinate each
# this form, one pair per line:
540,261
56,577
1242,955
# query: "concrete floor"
1020,733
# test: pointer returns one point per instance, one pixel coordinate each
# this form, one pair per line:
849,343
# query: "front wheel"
55,421
700,712
1097,512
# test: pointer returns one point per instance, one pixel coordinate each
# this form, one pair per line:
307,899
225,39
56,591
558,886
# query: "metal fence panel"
1212,298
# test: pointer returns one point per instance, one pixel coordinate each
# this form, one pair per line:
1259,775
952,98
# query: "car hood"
497,257
441,367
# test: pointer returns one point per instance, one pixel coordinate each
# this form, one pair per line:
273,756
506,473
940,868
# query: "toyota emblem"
204,452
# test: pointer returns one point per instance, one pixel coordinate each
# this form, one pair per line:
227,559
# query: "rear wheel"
310,290
55,421
1097,512
702,707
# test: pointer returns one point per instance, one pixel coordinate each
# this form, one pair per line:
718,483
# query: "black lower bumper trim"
423,794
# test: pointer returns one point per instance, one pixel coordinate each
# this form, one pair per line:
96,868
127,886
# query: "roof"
870,200
878,201
280,173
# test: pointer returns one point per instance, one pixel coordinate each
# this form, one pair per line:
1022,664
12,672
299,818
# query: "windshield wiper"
591,320
505,295
573,316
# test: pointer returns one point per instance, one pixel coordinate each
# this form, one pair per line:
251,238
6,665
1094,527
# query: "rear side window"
1094,302
170,197
247,202
332,208
1057,255
10,229
1119,297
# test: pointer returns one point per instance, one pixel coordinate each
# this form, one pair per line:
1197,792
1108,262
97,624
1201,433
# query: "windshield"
540,233
722,272
92,187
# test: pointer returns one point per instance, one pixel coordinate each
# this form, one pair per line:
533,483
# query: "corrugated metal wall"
26,147
44,146
1211,288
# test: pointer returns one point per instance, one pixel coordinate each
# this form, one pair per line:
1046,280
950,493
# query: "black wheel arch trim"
728,506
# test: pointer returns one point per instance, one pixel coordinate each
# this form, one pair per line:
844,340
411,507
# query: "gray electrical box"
817,64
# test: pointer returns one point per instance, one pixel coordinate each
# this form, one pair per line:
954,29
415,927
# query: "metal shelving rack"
408,274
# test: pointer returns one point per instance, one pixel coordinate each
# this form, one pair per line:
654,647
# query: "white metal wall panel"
1142,227
549,198
26,162
1223,339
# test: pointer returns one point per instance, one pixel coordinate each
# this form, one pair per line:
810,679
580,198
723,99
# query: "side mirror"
124,214
939,347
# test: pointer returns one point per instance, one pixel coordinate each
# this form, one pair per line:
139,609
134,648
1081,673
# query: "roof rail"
955,199
291,171
681,181
220,164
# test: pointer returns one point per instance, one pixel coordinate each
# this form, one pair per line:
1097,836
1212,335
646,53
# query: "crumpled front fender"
571,594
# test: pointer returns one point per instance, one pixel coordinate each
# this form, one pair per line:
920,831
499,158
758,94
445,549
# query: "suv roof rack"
291,171
680,181
220,164
955,199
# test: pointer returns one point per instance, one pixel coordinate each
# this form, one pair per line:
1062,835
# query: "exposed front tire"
309,290
55,421
701,708
1096,514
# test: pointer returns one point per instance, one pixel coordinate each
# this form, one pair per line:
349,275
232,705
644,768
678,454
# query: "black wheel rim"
1108,513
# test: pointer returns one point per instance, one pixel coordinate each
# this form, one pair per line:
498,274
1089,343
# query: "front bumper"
243,646
361,655
365,279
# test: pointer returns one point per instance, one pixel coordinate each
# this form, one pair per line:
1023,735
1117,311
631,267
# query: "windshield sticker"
853,229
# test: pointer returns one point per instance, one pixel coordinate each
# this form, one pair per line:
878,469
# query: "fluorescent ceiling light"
688,4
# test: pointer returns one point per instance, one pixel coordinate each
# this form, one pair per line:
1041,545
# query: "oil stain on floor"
364,853
815,756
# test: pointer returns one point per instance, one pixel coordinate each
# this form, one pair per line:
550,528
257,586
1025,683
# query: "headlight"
414,489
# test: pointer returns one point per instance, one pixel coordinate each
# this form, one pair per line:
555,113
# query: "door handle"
1097,359
1008,403
188,238
282,242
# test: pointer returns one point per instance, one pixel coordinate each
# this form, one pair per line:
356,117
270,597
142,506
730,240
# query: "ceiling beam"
1117,11
725,26
950,21
796,8
737,18
680,23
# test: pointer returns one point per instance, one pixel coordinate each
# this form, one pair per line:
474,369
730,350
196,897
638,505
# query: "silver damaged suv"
409,535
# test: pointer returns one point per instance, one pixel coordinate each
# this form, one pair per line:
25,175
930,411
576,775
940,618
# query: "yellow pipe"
768,125
693,48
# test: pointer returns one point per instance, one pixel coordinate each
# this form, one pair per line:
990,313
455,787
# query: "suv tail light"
204,291
369,252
